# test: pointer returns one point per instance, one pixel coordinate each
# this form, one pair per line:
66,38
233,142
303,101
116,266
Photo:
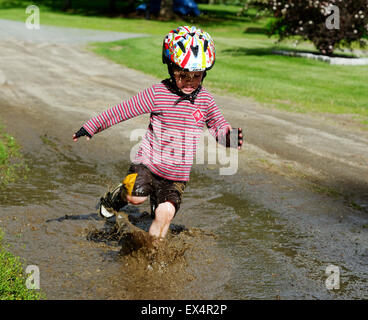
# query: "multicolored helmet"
189,48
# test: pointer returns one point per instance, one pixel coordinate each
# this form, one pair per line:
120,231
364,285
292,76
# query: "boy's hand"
240,138
81,132
229,139
232,141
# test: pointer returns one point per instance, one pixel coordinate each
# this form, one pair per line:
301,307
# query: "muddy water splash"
158,270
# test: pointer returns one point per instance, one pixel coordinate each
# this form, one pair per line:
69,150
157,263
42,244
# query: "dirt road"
298,202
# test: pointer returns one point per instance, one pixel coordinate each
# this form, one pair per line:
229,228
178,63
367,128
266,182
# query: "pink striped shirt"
169,145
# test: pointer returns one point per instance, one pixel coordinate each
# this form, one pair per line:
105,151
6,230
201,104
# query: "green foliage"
309,19
12,277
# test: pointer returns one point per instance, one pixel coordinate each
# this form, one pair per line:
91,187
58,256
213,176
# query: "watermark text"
33,19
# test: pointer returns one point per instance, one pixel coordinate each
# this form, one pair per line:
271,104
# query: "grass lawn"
13,278
12,165
245,65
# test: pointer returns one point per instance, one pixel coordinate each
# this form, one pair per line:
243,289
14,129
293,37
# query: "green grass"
12,164
13,278
244,65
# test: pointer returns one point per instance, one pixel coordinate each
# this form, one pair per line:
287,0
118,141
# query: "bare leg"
164,214
136,200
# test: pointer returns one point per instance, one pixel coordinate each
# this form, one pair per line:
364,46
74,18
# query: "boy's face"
187,81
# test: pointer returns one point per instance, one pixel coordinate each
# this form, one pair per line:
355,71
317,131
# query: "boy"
179,109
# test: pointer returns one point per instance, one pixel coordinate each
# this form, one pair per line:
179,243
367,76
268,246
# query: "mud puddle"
220,246
50,220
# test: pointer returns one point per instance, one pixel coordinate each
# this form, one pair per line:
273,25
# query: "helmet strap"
174,87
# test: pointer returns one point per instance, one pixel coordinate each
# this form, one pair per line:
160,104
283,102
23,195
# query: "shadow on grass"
241,51
255,30
221,15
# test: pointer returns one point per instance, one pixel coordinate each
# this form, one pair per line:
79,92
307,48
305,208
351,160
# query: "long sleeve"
140,104
215,121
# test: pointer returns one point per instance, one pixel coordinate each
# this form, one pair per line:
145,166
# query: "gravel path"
17,30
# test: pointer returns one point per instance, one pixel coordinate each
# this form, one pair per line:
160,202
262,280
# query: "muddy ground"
297,204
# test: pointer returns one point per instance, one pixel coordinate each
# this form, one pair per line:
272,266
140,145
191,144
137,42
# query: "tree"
260,5
166,10
328,24
67,4
112,6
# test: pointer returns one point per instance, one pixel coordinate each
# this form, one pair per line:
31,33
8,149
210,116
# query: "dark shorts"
141,182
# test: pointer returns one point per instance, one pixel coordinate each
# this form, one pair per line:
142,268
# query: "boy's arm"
221,129
142,103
